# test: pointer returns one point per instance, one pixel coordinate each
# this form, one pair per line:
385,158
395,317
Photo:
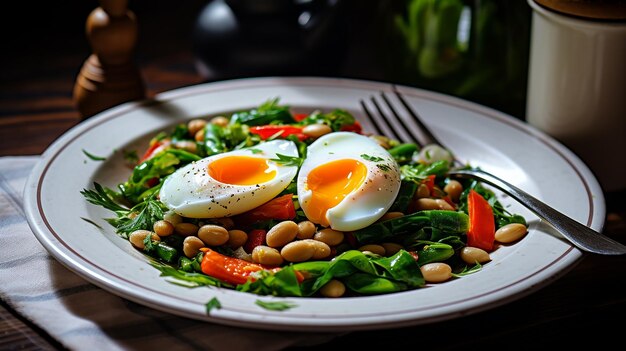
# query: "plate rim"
33,187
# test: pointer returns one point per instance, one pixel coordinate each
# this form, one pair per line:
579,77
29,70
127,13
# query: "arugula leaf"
93,157
276,305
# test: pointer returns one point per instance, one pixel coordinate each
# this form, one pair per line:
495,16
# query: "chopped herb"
93,157
468,270
148,212
131,156
187,279
213,303
100,197
372,158
288,160
147,243
256,151
276,305
91,222
384,168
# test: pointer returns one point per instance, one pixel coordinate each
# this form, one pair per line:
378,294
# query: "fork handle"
580,235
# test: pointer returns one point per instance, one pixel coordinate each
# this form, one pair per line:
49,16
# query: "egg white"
191,192
372,199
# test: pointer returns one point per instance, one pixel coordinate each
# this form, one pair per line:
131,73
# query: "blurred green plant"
474,49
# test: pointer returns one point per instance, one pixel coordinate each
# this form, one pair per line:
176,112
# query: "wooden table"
588,304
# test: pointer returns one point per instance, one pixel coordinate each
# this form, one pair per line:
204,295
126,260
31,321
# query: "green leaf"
100,197
363,273
214,303
335,119
372,158
131,156
276,305
419,172
91,222
148,246
268,112
93,157
281,283
289,161
187,279
468,270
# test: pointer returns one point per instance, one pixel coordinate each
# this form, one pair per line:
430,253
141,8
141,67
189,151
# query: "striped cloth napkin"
80,315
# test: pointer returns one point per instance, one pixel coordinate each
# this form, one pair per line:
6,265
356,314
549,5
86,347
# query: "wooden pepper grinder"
109,76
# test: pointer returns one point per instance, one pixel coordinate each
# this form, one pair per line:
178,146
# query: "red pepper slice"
430,183
155,147
256,237
233,270
281,207
354,127
270,130
300,116
229,269
482,227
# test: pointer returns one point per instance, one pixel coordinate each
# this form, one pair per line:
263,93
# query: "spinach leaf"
395,229
266,113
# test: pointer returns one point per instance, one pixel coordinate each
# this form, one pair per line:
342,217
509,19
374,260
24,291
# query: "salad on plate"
271,202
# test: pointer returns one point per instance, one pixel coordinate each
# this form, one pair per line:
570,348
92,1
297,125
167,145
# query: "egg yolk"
241,170
330,183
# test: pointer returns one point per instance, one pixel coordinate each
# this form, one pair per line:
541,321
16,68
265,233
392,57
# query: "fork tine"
428,137
416,137
371,117
384,119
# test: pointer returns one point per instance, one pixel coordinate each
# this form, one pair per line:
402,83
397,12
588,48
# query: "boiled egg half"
230,183
347,181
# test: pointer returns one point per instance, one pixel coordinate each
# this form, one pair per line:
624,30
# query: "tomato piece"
482,226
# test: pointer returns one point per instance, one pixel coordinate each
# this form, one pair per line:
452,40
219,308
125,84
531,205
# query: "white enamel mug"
577,89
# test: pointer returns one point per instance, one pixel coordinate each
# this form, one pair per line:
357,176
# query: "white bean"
436,272
510,233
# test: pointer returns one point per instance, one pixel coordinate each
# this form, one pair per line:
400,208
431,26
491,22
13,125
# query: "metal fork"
393,125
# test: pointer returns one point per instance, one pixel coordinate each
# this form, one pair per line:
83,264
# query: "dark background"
47,39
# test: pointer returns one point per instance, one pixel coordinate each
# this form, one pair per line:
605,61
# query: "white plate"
487,138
